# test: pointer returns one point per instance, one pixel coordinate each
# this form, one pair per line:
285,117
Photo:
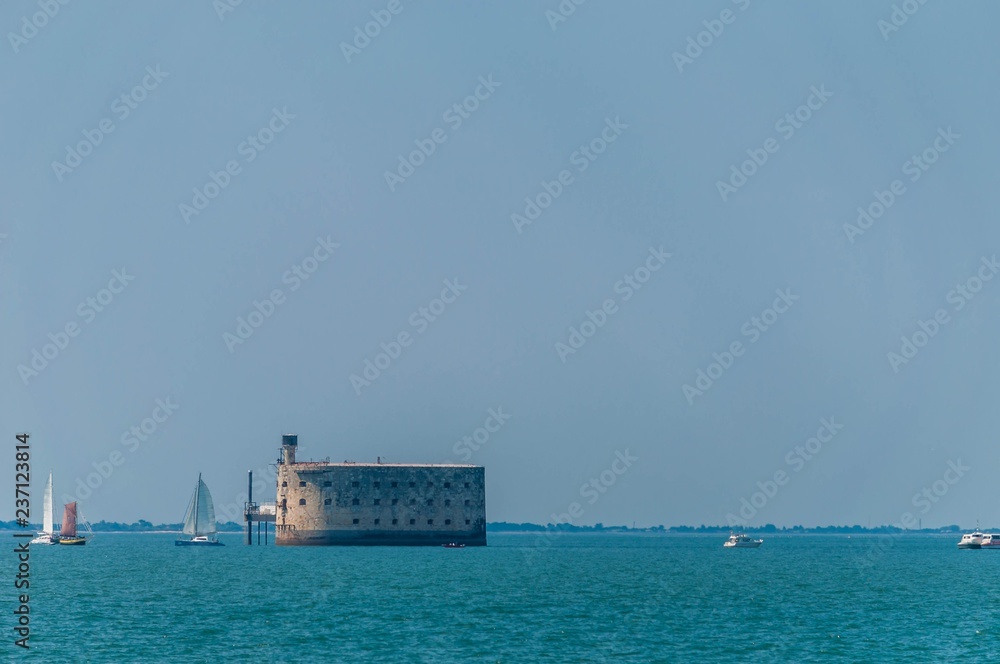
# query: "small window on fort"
355,502
412,521
354,521
378,501
328,483
302,482
328,501
466,522
468,502
430,501
447,485
447,502
395,500
376,522
395,521
377,484
284,484
302,501
394,485
354,484
430,522
447,522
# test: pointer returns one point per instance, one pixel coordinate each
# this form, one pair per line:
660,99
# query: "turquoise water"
132,598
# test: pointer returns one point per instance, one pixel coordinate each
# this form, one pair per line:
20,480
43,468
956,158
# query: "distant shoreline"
143,526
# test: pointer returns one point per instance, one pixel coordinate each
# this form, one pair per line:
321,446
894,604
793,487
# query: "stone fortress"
323,503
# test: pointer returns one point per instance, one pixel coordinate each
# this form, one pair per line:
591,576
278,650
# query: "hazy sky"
119,121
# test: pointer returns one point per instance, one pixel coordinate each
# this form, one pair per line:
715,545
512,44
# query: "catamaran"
69,535
199,522
46,535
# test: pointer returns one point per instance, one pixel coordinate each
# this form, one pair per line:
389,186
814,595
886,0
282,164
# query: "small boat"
741,541
47,535
199,522
973,540
990,541
69,535
453,545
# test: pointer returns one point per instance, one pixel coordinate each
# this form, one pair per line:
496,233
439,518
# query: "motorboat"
741,541
453,545
990,541
973,540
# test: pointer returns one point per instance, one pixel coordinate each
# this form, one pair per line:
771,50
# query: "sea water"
524,598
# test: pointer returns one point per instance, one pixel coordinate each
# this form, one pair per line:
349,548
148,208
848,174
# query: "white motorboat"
973,540
741,541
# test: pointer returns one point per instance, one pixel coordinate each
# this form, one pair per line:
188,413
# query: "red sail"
69,521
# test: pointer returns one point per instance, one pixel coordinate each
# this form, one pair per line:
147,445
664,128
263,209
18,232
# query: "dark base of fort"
363,538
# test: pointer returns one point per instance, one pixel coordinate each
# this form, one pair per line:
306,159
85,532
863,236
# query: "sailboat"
199,522
47,535
68,535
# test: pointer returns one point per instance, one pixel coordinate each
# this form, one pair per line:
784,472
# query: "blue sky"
277,74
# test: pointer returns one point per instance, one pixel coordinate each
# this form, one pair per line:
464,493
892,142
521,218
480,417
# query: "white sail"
200,517
47,507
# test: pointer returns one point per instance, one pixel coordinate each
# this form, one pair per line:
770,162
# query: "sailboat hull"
199,543
72,541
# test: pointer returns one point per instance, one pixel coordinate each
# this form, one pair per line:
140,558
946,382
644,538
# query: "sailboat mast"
197,499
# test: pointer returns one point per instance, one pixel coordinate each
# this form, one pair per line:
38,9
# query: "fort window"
447,502
354,521
376,522
447,485
302,482
394,485
395,500
328,483
328,501
377,485
412,521
378,501
447,522
302,501
355,502
284,484
430,522
354,484
395,521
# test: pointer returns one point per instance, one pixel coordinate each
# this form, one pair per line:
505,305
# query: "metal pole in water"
249,517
